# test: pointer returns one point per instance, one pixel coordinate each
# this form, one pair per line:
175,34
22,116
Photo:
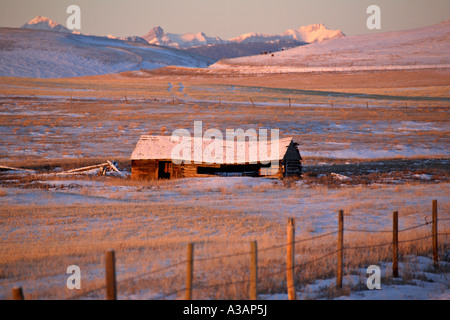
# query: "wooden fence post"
111,289
290,263
435,235
17,293
340,249
253,270
189,271
395,245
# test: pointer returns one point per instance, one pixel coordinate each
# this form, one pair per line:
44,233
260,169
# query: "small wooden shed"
153,159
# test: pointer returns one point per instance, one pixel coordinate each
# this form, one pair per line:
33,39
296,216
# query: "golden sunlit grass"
41,241
143,235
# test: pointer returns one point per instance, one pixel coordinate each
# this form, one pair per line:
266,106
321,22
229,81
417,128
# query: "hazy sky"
226,18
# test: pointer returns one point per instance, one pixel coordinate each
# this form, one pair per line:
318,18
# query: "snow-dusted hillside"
43,23
45,54
236,50
404,49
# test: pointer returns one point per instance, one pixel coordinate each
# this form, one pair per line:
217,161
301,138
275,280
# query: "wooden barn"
153,159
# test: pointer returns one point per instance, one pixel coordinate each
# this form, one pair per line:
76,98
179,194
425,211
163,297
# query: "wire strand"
368,247
84,294
415,227
152,272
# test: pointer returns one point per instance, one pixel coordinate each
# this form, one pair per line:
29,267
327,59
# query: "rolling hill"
48,54
410,49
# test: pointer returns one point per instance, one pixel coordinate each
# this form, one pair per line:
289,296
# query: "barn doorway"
164,168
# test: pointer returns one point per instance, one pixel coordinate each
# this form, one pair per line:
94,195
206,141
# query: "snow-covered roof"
203,150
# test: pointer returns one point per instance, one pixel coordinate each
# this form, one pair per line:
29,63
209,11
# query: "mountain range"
307,34
214,47
245,45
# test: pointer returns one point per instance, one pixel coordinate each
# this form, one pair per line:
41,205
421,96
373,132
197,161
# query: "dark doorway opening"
164,169
251,170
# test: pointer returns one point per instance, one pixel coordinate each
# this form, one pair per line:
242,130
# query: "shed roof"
162,148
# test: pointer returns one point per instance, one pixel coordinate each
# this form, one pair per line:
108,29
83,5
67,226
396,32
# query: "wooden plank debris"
112,166
103,167
98,166
6,168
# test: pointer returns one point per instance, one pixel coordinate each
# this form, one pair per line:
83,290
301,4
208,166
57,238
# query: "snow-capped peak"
308,34
256,37
157,36
41,19
313,33
43,23
155,32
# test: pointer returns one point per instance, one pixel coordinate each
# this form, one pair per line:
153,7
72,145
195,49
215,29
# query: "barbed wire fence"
291,268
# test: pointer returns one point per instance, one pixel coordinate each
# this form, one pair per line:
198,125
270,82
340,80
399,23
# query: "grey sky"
226,18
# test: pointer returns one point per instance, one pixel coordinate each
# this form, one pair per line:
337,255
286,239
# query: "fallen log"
5,168
101,166
98,166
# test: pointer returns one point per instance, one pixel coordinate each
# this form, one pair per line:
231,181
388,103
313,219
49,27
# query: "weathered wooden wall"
149,170
290,166
144,169
191,170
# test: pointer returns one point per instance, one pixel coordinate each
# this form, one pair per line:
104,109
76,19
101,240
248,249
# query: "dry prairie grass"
41,241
